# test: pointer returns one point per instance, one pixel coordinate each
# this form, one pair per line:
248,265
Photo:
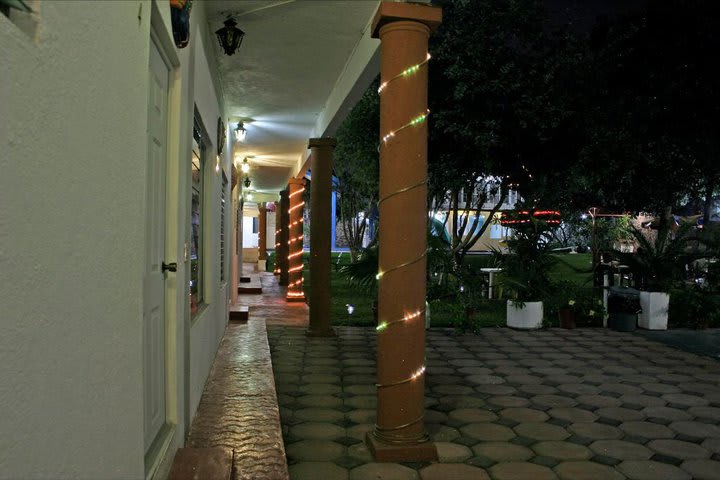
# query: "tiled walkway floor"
579,404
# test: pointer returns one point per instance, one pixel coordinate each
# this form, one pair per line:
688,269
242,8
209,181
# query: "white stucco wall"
74,112
71,237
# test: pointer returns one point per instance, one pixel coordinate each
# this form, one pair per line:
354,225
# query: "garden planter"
567,318
623,322
527,317
654,315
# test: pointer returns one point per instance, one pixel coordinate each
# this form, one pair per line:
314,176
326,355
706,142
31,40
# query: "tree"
356,168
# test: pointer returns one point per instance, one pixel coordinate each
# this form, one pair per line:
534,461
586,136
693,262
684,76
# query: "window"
256,225
223,196
196,221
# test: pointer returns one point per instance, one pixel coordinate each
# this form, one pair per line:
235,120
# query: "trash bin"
623,308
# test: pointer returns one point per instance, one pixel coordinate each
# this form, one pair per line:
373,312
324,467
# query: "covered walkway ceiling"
301,67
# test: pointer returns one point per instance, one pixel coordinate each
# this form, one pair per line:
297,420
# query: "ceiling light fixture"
240,132
245,166
229,36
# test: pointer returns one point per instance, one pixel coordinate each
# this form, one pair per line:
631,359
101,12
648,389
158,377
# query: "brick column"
295,242
399,433
282,243
320,224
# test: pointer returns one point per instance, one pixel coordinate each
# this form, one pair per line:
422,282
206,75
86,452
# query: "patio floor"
568,404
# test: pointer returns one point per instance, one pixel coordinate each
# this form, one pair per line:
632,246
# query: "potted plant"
623,309
657,265
525,269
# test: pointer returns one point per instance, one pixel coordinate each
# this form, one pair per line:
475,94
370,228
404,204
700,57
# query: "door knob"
169,266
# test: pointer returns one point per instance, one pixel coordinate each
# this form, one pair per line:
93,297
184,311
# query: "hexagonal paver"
360,452
472,415
573,415
562,450
712,413
440,471
315,450
584,470
487,432
643,400
541,431
484,379
319,388
384,471
462,401
319,401
509,401
696,429
684,399
621,388
667,413
553,401
318,415
702,469
649,470
646,430
441,433
361,416
598,401
359,431
522,415
712,445
621,450
503,451
361,401
517,470
620,414
660,388
315,470
595,431
679,449
579,388
452,452
452,389
317,431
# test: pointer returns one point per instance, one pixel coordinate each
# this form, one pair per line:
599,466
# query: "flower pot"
527,317
622,322
654,315
567,318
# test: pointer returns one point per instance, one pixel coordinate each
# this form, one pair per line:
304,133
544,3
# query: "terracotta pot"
567,318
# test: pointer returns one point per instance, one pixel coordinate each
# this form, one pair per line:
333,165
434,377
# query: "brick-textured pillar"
262,231
399,433
320,224
295,242
282,243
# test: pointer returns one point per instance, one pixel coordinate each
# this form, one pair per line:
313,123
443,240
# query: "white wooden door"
154,283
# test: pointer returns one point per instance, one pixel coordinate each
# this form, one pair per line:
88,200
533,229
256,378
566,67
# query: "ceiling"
285,81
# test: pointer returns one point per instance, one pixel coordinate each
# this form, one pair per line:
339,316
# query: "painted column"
320,226
282,248
262,236
278,228
295,240
399,433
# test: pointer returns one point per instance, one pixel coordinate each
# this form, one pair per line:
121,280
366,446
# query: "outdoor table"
491,273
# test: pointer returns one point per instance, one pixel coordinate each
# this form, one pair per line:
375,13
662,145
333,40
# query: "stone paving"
503,404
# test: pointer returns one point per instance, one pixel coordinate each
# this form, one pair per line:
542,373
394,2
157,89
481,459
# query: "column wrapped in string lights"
282,244
399,434
262,232
295,240
278,230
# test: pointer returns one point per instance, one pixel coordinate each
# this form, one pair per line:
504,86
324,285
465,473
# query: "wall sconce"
229,36
247,182
240,132
245,166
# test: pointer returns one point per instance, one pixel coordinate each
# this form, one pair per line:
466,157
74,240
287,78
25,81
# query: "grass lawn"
443,313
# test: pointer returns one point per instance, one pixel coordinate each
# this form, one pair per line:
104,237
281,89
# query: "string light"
299,205
405,73
414,376
419,119
295,288
406,318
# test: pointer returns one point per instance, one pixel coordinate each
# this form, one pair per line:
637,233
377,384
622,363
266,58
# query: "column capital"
324,142
389,12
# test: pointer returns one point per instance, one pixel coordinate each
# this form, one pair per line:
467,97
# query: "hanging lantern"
229,36
247,182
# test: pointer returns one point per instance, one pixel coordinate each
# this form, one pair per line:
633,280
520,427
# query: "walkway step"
202,463
251,286
239,313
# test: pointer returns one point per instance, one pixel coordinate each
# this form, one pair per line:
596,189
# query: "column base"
385,452
329,332
295,299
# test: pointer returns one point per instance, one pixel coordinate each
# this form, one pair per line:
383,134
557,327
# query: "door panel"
154,330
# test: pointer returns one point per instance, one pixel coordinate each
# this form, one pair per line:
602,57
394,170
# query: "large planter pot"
527,317
654,315
623,322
